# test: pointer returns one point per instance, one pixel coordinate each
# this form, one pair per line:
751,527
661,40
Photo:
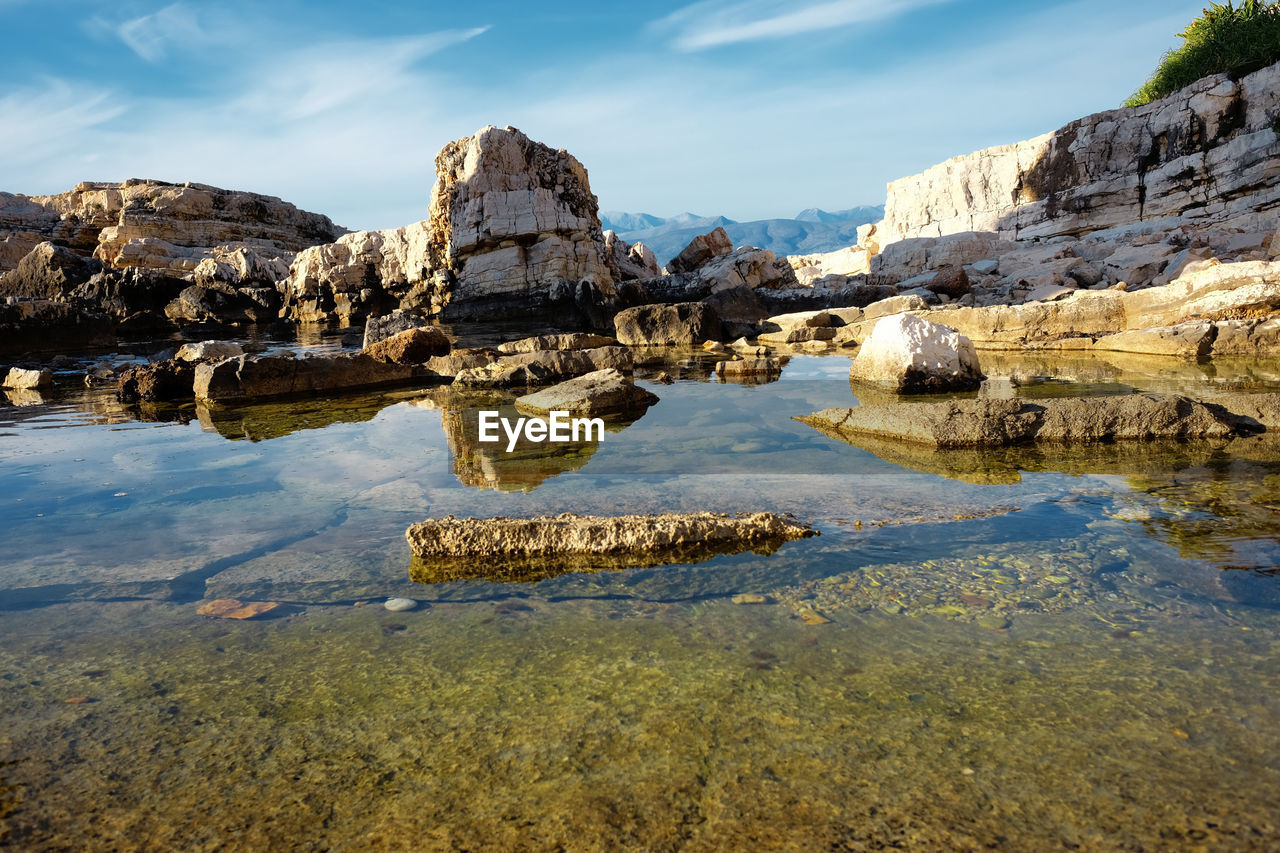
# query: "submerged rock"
999,423
910,355
603,392
525,548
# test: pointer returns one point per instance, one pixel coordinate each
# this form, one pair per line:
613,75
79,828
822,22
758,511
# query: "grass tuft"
1224,39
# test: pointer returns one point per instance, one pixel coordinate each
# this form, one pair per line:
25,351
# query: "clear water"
1020,650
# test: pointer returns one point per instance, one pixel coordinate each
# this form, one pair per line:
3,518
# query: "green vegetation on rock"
1224,39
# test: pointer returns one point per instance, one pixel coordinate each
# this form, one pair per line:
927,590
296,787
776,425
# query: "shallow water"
1021,650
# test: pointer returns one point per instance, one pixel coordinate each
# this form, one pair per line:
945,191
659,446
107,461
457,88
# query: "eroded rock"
999,423
527,548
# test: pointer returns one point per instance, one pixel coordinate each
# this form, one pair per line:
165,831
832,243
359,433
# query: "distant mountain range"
810,232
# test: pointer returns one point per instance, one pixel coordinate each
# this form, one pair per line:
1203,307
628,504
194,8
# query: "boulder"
20,379
700,251
413,346
48,272
173,379
664,325
952,282
805,319
600,393
910,355
382,327
197,304
800,335
749,367
259,376
544,366
1000,423
574,341
737,306
364,274
208,351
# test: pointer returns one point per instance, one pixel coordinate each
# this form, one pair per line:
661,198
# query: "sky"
749,109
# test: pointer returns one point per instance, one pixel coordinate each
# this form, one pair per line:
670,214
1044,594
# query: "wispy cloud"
715,23
151,36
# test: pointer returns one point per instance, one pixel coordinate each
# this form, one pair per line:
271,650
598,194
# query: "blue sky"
746,108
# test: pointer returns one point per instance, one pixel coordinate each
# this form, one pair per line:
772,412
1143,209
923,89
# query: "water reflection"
498,465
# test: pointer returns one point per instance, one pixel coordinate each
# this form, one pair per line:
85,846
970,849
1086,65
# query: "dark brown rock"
953,282
48,272
414,346
664,325
164,380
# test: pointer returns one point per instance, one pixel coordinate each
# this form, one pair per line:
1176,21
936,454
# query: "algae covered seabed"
1015,650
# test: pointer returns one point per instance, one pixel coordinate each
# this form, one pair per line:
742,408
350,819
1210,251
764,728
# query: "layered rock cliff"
156,225
1208,155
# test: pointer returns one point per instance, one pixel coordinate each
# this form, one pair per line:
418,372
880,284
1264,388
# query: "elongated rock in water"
1001,423
529,548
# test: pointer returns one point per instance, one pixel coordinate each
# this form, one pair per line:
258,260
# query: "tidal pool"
1013,650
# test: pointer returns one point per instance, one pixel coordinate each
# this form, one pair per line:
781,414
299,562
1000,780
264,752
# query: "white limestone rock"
209,351
908,354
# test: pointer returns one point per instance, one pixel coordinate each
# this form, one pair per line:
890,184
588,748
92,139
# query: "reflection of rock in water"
531,569
276,419
1216,500
490,466
24,396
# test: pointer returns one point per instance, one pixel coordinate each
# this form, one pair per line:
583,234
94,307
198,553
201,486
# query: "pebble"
396,605
750,598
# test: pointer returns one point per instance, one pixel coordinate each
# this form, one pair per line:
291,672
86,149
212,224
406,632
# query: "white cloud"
150,36
715,23
50,120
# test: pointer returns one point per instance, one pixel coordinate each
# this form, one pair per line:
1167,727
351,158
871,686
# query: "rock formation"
156,225
513,229
1204,155
515,223
600,393
453,547
907,354
1000,423
666,325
